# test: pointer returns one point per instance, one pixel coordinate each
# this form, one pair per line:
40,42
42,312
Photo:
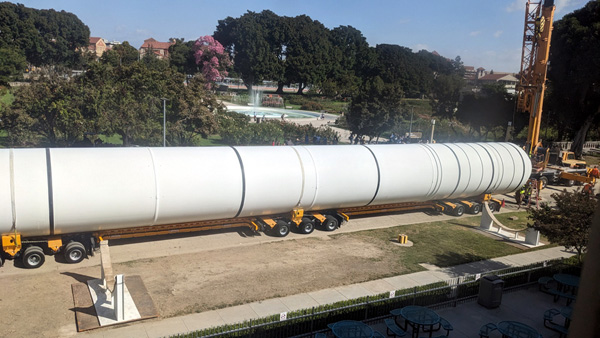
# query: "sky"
484,33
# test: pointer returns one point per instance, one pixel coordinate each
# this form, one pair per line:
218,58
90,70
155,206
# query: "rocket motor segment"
70,190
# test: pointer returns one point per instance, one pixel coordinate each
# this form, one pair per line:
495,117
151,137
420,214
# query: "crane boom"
534,64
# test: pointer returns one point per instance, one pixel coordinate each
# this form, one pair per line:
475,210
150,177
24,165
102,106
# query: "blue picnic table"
351,329
512,329
419,317
567,281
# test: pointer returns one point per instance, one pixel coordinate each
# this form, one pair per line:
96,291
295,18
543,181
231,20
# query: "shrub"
312,105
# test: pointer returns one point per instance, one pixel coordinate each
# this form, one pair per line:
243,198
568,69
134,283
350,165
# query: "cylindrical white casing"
60,191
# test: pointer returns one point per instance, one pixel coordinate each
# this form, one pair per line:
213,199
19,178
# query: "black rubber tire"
74,252
33,257
459,210
331,223
1,260
544,181
569,183
282,229
476,209
306,226
494,207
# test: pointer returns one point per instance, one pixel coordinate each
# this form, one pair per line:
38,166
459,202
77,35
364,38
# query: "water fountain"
255,109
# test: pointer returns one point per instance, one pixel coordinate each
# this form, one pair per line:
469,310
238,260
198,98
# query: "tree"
12,64
574,70
351,55
53,106
181,57
194,113
568,223
308,52
375,109
255,42
445,90
491,108
46,37
120,55
399,65
211,58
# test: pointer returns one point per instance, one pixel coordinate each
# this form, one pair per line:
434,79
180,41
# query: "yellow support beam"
55,243
318,216
11,244
297,215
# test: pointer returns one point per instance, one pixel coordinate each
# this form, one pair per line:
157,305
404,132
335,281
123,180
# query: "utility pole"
410,126
164,100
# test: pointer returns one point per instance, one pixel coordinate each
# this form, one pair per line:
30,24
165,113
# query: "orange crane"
534,64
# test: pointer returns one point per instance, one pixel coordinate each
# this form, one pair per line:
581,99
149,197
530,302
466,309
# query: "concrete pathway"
236,314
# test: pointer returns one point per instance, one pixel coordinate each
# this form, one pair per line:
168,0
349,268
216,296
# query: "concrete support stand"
532,237
119,298
112,300
490,224
486,218
107,273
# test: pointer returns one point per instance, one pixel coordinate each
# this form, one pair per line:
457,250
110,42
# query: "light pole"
164,100
508,131
410,126
432,128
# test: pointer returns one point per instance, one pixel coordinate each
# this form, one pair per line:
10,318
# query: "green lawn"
440,243
212,140
115,139
592,160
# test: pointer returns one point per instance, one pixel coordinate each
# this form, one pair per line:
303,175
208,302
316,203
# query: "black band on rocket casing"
378,175
243,182
50,194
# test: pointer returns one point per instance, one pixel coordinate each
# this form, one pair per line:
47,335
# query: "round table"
513,329
351,328
565,279
418,316
567,312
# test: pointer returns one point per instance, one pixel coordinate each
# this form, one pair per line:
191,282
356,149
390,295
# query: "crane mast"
534,64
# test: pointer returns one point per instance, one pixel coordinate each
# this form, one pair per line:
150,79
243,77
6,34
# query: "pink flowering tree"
211,58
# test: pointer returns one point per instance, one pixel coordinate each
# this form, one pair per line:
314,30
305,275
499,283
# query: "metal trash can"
490,291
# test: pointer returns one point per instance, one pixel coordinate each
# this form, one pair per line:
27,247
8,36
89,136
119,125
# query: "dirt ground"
197,282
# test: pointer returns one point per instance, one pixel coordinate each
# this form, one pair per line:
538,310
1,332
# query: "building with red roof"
160,49
97,46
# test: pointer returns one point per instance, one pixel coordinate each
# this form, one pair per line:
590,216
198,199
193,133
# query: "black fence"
374,309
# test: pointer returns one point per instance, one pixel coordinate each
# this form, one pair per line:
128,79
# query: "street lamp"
410,126
164,100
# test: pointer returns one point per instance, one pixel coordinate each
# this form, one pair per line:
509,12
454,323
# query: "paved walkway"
231,315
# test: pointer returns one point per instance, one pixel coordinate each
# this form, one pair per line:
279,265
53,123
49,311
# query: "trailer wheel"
476,209
544,181
331,223
459,210
569,183
307,226
282,229
494,206
33,257
74,252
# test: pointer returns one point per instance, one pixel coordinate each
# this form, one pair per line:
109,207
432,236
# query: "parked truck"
565,158
558,167
67,200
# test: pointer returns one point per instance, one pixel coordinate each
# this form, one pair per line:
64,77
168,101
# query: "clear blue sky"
485,33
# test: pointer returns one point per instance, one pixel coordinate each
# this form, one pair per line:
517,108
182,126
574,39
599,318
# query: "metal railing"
373,309
587,146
